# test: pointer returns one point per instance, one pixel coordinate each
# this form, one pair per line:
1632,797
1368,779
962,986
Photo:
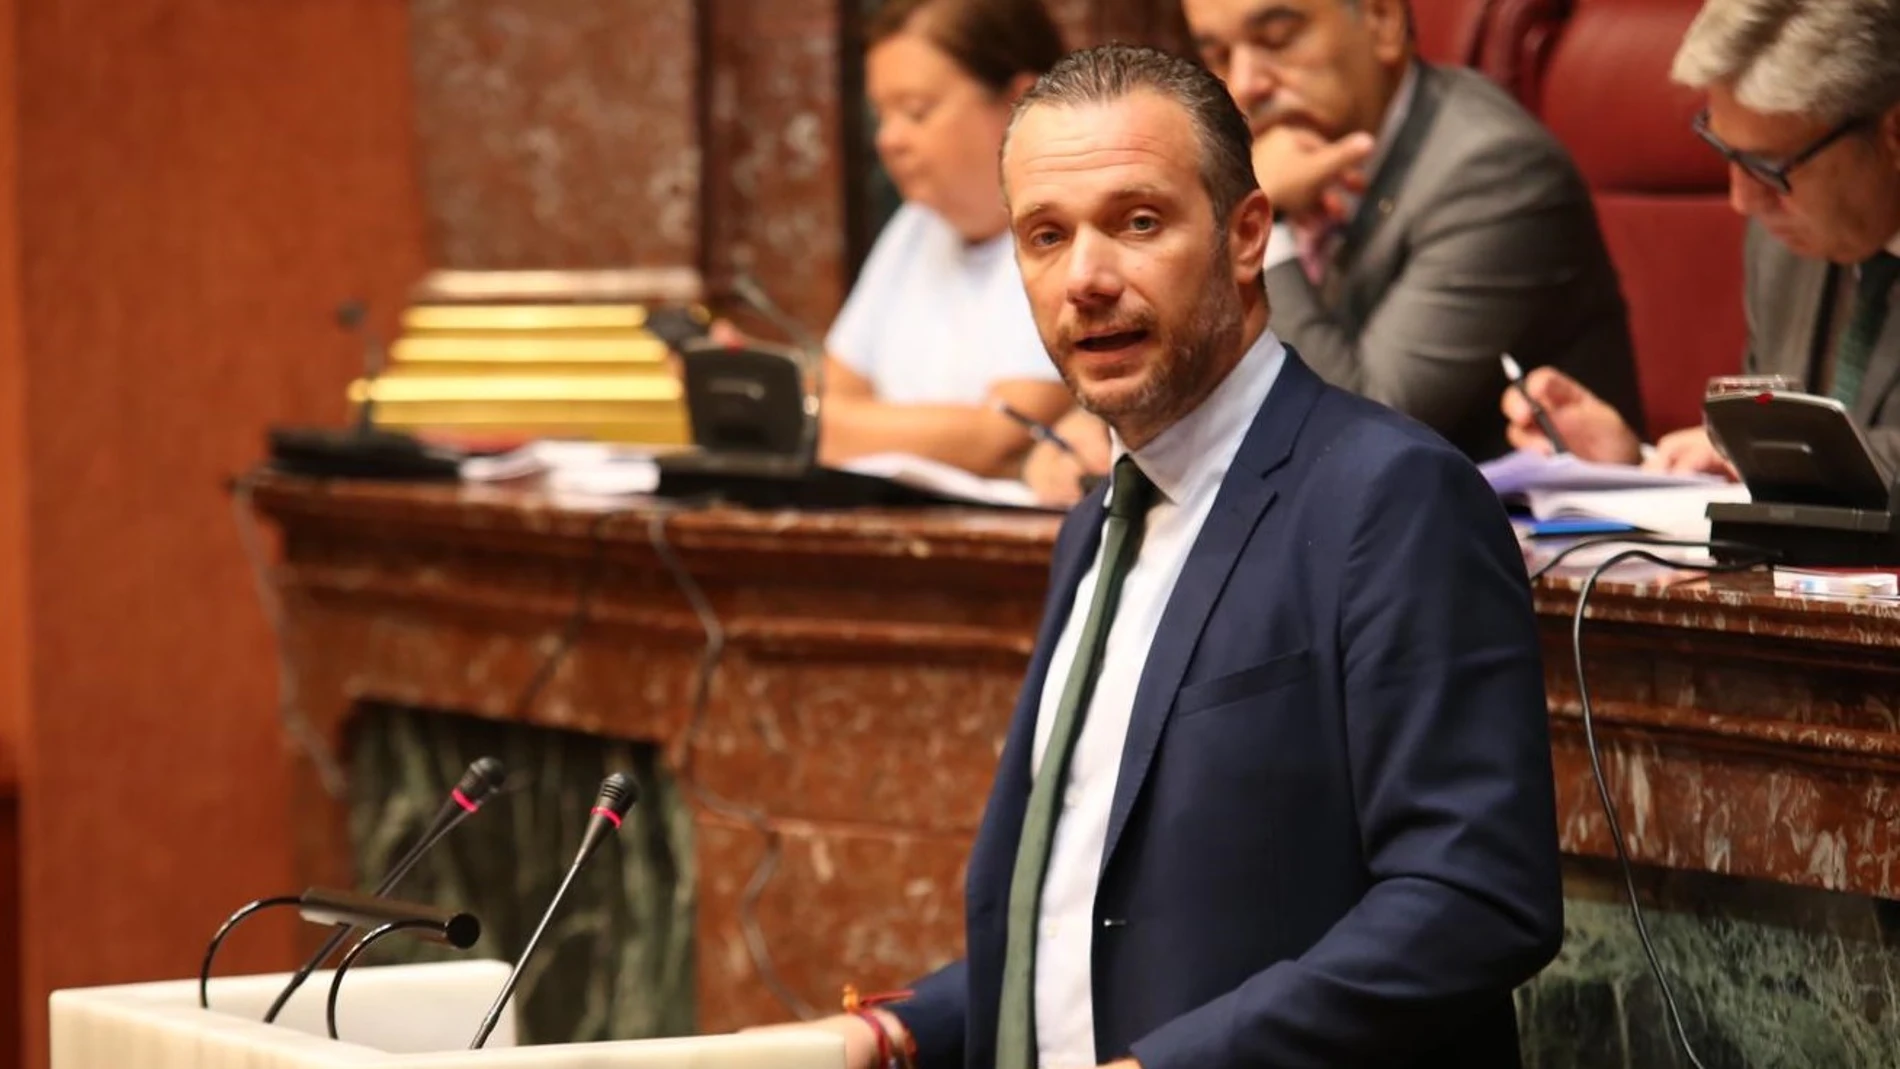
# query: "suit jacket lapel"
1811,296
1245,495
1376,205
1883,364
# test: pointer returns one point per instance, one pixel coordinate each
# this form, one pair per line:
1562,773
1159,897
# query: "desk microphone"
361,451
353,315
484,777
617,794
748,290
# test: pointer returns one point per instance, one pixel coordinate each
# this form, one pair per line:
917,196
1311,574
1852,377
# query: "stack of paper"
593,469
1672,511
603,469
1519,473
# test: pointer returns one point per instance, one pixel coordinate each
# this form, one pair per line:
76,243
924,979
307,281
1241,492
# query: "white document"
940,478
1522,472
1671,511
549,455
590,469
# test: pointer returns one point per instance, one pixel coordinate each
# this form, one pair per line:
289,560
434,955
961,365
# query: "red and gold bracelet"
891,1054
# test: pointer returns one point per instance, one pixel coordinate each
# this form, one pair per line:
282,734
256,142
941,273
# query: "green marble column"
617,961
1767,976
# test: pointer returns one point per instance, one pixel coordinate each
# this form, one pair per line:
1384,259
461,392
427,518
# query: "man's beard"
1175,383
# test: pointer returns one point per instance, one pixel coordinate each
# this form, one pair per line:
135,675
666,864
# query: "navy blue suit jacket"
1333,840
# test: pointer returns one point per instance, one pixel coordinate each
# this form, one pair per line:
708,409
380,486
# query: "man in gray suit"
1426,224
1804,103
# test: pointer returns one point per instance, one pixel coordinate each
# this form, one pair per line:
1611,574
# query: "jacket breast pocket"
1268,675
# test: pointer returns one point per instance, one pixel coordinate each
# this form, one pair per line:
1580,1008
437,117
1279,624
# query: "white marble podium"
392,1017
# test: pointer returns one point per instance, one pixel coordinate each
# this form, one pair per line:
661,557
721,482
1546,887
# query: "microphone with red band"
617,794
481,782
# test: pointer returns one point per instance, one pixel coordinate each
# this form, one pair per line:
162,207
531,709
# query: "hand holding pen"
1062,468
1037,429
1515,375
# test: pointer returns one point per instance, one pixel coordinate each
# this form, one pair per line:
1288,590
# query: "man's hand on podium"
860,1040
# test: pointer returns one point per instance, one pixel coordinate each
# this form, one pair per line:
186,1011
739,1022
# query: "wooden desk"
872,661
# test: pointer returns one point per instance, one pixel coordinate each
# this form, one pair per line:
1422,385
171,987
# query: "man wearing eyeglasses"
1426,223
1804,104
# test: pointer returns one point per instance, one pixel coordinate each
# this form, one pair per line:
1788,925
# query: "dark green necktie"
1129,500
1856,344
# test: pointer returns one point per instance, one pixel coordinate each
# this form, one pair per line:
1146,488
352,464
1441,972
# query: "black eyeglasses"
1773,173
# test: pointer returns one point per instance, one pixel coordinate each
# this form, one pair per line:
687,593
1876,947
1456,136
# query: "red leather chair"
1661,194
1505,39
1518,37
1450,32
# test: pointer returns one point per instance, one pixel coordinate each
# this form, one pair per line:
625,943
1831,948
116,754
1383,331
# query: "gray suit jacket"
1790,303
1477,237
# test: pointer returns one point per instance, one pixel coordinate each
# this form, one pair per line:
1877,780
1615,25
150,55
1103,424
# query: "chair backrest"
1506,40
1450,32
1518,36
1661,194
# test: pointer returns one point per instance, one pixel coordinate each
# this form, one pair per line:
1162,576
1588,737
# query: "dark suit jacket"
1333,840
1478,237
1792,304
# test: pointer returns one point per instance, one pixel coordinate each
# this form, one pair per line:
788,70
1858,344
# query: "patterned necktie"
1130,498
1856,344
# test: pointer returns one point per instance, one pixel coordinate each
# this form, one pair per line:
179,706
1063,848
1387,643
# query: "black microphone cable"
1641,550
681,760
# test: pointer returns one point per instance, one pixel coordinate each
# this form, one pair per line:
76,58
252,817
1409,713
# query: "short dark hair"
994,41
1110,72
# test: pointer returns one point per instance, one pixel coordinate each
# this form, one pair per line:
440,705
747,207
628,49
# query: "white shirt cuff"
1281,246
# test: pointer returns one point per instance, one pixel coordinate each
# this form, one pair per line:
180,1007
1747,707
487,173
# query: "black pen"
1038,430
1516,375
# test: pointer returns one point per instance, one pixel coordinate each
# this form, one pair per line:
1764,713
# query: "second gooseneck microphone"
483,779
617,794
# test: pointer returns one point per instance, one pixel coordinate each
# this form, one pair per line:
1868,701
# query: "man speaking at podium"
1278,790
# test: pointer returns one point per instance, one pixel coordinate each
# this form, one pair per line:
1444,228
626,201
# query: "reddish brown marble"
1743,733
871,904
872,660
725,137
558,135
776,159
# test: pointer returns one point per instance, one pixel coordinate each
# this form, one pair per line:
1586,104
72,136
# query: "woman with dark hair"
937,329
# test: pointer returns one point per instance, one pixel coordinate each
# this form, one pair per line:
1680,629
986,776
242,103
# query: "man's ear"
1390,23
1889,133
1247,229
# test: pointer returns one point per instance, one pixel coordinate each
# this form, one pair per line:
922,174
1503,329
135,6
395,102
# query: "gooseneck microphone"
484,777
353,315
747,289
617,794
